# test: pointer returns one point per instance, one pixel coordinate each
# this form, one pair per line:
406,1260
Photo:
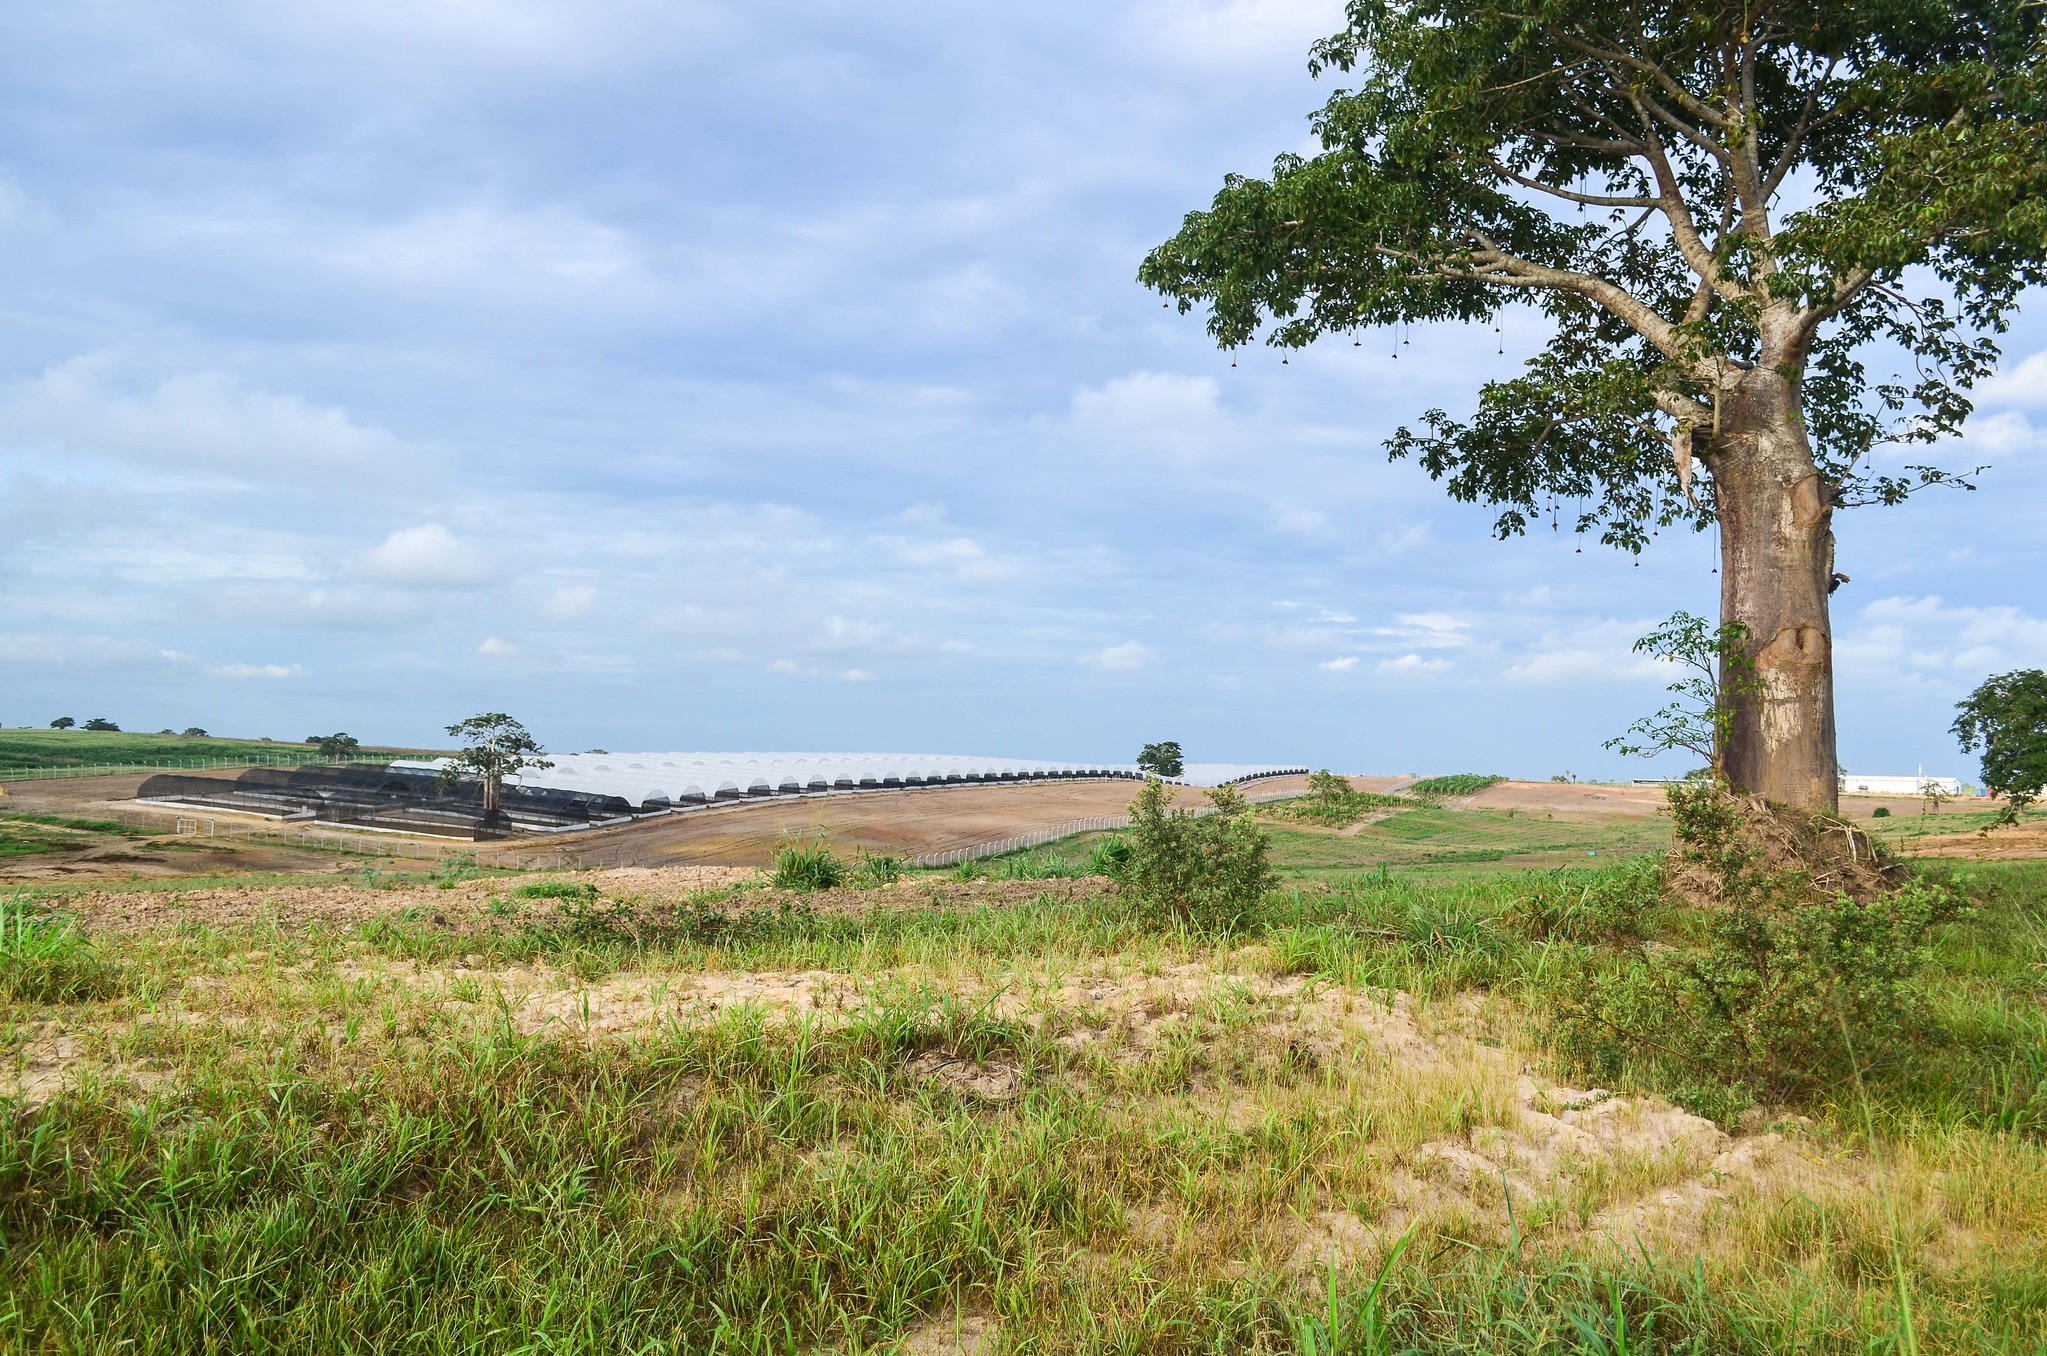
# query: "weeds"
812,867
1456,784
45,958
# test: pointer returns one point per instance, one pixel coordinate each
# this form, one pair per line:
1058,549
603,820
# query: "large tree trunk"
1776,570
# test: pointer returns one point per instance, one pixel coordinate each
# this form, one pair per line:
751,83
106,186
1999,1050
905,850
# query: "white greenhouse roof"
692,778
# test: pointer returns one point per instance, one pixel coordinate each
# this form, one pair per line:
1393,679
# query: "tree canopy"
1162,759
2007,718
494,746
1690,192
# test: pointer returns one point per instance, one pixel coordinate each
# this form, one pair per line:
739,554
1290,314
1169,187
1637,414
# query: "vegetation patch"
1456,784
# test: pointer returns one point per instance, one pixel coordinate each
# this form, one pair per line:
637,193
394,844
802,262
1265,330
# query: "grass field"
585,1115
20,748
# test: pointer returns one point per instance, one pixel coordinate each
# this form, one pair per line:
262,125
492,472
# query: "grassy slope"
65,748
330,1150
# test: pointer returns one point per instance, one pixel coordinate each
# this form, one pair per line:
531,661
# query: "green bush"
1781,993
577,891
45,958
1457,784
811,867
1332,802
879,868
1880,812
1110,857
1209,871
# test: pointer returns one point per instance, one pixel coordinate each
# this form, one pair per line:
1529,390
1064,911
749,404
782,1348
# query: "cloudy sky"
771,375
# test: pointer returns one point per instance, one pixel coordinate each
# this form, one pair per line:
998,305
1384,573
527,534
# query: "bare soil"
902,823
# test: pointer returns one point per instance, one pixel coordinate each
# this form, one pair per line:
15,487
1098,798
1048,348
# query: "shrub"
879,868
1210,871
812,867
1781,992
1110,857
44,958
1332,802
1880,812
577,891
1457,784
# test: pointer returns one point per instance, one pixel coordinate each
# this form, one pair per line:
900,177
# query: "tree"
102,724
335,747
1717,673
194,732
1162,759
494,747
1720,208
2007,718
62,723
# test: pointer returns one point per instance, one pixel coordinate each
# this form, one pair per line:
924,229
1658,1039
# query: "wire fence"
1039,837
282,758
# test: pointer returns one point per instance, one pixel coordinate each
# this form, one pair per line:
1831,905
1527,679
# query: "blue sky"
771,375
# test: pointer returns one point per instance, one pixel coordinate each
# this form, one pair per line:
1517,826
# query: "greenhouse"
654,781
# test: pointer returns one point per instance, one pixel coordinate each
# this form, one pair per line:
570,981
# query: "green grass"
341,1140
28,748
1456,784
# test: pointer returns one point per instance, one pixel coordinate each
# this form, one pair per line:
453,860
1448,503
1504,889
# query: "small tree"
102,724
1328,788
194,732
495,746
2007,718
1162,759
335,747
62,723
1718,676
1209,870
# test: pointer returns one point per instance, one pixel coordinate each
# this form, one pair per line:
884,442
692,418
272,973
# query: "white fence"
1096,824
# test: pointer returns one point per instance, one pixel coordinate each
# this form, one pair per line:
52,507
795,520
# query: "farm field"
38,749
673,1109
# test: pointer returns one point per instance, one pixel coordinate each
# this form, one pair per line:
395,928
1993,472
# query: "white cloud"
569,604
1999,435
1430,630
500,250
1119,658
1412,665
45,650
1343,665
246,671
1161,413
196,421
494,648
819,671
427,556
1210,34
2024,384
1924,639
1596,652
1296,521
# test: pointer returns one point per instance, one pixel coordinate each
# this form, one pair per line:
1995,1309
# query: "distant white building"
1854,784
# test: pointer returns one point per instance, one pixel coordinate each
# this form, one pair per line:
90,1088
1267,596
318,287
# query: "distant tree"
62,723
194,732
2007,718
101,723
1162,759
335,746
1724,211
1328,788
494,747
166,731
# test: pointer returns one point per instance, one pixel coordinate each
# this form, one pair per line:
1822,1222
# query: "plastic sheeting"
650,780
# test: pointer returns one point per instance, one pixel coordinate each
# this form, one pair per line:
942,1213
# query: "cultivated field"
676,1109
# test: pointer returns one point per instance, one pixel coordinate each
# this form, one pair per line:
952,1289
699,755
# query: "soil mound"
1725,840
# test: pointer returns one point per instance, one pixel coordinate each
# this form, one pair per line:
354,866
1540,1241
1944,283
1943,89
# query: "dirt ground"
902,823
493,903
1586,800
